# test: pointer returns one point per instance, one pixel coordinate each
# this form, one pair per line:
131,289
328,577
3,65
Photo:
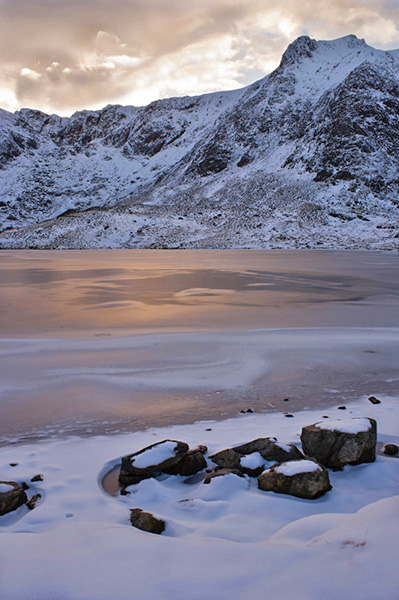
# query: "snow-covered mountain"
306,157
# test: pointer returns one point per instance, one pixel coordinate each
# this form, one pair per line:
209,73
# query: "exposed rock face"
146,521
306,156
301,478
268,448
151,461
341,442
190,464
12,496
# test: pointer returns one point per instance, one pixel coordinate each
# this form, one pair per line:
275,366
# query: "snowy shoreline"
224,541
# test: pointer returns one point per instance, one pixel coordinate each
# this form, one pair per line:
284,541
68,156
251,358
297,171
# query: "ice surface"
297,466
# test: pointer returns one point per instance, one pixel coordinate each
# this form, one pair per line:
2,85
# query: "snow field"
224,541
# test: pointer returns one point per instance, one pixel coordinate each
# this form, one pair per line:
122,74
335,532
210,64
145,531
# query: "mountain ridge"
307,156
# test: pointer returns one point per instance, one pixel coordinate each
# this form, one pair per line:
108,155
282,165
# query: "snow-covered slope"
307,156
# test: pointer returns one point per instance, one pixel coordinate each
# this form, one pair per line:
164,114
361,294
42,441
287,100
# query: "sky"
60,56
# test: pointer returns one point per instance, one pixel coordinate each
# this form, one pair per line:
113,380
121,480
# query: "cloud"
63,55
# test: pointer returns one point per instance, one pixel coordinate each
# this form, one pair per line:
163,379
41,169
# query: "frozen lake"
99,341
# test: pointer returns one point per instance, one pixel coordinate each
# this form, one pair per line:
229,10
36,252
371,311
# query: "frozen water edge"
245,540
131,383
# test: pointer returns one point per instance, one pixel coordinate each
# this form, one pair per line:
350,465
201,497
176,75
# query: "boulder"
269,448
339,442
221,473
12,496
190,464
151,461
300,478
146,521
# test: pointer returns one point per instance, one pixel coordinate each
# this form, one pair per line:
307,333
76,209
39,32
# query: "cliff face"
307,156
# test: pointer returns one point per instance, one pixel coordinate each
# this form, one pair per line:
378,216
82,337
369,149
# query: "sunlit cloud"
65,55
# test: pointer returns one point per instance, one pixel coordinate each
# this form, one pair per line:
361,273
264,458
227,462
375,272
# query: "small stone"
37,478
286,400
208,429
341,407
24,485
325,417
374,400
391,449
13,464
288,415
32,502
146,521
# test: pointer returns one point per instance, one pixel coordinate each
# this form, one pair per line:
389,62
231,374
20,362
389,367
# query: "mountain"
306,157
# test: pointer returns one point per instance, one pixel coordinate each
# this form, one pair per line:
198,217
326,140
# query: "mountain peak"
303,46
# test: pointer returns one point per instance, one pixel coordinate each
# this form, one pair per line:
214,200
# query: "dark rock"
288,415
12,498
391,449
341,407
37,478
270,449
286,400
308,484
190,464
146,521
124,492
32,502
130,474
227,459
13,464
337,447
221,473
208,429
24,486
374,400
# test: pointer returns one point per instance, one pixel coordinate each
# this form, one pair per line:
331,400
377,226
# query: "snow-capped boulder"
268,449
338,442
193,462
151,461
12,496
146,521
301,478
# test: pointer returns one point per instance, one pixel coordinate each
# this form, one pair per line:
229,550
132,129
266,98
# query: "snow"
158,199
5,487
154,456
356,425
297,466
252,461
78,543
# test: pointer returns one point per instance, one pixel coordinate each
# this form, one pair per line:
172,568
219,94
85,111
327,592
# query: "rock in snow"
301,478
146,521
336,443
12,496
305,157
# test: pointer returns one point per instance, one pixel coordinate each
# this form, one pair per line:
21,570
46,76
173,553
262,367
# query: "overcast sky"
65,55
